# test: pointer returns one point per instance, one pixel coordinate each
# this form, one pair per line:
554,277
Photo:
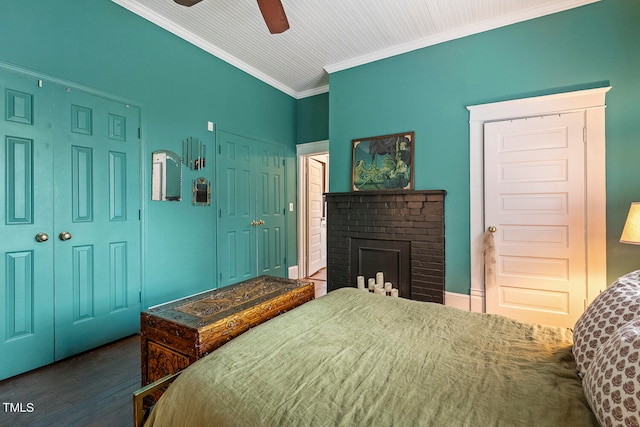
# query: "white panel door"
315,187
535,197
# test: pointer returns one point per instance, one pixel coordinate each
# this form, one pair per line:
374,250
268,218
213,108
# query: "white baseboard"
294,272
477,300
459,301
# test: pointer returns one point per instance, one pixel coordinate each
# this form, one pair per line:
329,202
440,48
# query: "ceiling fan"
272,12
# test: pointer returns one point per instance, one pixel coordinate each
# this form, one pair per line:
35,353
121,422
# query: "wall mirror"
166,176
194,153
201,192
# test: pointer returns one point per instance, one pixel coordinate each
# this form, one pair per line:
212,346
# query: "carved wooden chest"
178,333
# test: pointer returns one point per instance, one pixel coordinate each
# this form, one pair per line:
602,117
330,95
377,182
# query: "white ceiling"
331,35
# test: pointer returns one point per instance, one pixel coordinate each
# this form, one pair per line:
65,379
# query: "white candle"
394,293
388,286
380,278
372,283
360,282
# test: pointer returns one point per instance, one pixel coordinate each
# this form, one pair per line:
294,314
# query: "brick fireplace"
400,233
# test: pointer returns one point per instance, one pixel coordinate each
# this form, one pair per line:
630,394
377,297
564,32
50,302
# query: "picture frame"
383,163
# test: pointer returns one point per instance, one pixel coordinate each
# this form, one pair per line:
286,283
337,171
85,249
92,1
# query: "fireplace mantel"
388,225
369,194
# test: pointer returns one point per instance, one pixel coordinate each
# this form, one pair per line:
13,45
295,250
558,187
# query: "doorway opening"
313,182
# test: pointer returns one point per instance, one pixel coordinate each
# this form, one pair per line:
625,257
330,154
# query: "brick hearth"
389,219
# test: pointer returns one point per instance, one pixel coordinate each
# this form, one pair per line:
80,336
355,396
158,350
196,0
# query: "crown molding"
311,92
480,27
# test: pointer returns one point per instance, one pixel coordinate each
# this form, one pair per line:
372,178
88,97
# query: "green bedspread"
352,358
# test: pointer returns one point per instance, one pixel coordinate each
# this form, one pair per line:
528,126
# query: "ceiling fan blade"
187,3
274,16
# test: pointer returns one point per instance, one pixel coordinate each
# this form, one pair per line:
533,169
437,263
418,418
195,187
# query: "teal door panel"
236,203
96,175
251,233
26,200
271,211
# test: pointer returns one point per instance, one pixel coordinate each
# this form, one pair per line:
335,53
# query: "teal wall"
427,91
312,119
179,87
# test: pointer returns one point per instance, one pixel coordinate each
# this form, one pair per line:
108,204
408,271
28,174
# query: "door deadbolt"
65,235
42,237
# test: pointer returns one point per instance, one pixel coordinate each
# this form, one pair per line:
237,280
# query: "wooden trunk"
176,334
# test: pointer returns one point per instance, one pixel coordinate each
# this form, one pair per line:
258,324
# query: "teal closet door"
69,222
270,210
236,204
251,201
26,210
97,224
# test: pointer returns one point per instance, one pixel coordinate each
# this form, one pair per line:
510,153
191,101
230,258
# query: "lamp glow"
631,231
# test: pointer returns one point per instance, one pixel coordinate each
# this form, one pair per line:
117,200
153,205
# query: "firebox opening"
391,257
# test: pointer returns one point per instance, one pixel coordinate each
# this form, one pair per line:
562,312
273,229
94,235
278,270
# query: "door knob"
261,222
492,229
42,237
254,223
65,235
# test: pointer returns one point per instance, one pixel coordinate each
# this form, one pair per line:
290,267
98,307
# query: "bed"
355,358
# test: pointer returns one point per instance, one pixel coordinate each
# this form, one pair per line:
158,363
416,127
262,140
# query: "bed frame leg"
140,413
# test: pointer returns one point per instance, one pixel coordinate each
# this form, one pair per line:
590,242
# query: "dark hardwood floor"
91,389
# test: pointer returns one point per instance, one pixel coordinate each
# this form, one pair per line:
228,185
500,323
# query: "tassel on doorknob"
489,251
